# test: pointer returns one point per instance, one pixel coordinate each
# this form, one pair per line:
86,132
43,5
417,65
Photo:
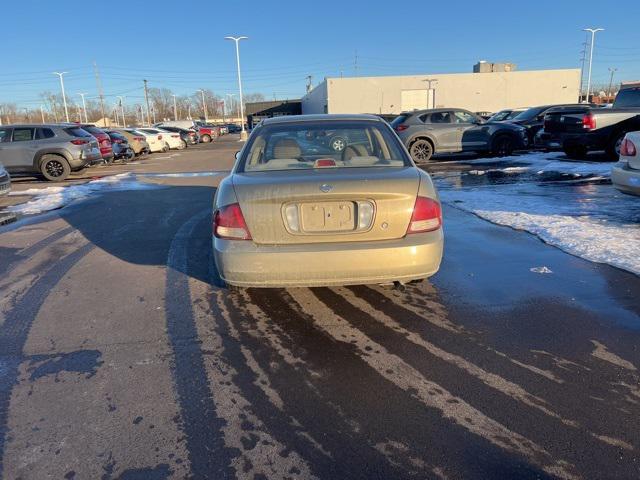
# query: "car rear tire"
54,168
183,144
502,146
421,151
576,152
205,138
613,147
165,148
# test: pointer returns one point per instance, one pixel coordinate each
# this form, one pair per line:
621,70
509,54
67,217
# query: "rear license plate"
327,217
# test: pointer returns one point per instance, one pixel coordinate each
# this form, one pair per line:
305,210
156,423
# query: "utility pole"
309,86
100,93
153,109
64,97
175,108
84,107
42,113
582,60
146,99
243,133
121,99
612,70
593,39
431,97
204,106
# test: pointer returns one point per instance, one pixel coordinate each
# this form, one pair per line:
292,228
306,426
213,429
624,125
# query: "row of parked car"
56,150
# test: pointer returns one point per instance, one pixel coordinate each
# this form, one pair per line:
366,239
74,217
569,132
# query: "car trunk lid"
327,204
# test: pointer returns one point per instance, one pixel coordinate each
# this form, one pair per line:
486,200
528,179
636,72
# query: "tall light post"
175,108
429,81
121,100
612,70
41,113
593,38
64,97
204,105
243,133
84,107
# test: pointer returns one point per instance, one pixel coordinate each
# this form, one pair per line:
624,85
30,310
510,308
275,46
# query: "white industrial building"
490,88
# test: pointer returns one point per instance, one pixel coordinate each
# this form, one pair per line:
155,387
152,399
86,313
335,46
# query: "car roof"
433,110
319,118
38,125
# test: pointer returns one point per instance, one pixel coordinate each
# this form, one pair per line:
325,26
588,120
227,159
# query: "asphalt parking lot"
120,357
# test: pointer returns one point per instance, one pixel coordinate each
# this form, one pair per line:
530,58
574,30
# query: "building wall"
316,100
478,92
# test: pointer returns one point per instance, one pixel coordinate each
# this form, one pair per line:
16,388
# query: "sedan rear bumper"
246,264
625,179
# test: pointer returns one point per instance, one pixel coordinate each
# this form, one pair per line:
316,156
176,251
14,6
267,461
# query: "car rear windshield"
77,132
309,145
627,98
93,130
530,113
398,120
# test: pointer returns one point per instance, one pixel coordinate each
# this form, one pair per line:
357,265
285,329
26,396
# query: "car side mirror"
237,155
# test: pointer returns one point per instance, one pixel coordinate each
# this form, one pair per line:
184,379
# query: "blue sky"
179,45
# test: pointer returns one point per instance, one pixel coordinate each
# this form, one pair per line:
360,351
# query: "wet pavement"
121,359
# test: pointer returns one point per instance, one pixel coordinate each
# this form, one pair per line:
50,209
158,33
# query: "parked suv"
449,130
51,150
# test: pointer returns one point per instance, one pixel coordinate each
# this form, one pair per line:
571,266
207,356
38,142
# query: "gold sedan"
303,209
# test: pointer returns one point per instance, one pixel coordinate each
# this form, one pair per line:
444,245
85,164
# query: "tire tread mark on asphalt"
48,240
208,455
403,306
16,327
430,393
328,405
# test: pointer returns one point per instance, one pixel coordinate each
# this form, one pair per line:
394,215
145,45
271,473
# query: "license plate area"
327,217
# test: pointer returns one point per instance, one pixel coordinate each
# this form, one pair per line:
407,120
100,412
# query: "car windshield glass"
628,97
500,116
310,145
530,113
77,132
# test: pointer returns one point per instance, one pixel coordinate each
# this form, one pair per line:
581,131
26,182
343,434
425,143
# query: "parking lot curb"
7,219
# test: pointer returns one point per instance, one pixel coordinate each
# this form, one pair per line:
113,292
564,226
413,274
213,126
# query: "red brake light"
401,127
79,141
159,137
228,223
426,217
139,139
589,121
325,162
628,148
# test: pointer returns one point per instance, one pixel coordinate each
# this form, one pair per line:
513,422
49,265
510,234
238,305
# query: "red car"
208,132
104,141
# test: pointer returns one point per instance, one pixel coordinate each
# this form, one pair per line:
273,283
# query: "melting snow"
51,198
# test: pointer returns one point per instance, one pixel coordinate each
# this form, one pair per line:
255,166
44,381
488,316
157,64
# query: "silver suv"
53,151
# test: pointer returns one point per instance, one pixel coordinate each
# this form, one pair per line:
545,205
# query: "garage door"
415,99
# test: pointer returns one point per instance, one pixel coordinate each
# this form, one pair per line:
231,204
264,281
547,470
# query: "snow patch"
51,198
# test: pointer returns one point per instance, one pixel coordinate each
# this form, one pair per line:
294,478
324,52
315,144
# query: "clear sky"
179,45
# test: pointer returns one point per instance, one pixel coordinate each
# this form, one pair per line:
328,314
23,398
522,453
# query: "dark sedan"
533,119
443,130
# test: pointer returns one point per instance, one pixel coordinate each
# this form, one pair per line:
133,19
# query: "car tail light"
426,216
401,127
159,137
628,148
79,141
192,134
228,223
139,139
589,121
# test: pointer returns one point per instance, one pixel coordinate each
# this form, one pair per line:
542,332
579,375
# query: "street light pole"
612,70
84,107
243,133
204,106
593,38
175,108
429,81
64,98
